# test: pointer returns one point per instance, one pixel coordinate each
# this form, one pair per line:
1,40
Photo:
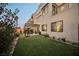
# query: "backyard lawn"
43,46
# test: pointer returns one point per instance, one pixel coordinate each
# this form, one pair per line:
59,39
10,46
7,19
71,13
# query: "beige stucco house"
57,19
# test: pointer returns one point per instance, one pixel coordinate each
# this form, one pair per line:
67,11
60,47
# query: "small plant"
35,32
17,34
75,43
39,33
63,39
53,37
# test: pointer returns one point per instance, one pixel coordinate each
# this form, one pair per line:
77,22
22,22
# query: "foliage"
8,23
54,37
63,39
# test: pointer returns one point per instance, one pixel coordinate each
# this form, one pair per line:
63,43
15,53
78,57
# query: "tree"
8,23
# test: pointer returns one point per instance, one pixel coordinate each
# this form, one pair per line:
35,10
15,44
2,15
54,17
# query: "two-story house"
58,19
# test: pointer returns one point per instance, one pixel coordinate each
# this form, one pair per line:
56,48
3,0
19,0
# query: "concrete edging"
13,46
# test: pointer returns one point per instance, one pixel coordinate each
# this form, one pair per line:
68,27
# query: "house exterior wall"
70,19
69,16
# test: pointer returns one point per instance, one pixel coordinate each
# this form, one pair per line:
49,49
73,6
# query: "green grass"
43,46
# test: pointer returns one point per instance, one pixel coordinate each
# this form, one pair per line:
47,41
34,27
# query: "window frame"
43,27
44,10
55,30
54,9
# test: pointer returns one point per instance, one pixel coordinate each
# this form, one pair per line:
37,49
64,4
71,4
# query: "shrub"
8,22
75,43
54,37
63,39
46,35
17,34
39,33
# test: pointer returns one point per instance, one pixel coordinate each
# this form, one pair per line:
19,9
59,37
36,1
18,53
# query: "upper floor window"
38,15
54,10
63,7
45,9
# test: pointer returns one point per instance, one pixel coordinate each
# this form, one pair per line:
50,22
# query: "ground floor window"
44,27
57,26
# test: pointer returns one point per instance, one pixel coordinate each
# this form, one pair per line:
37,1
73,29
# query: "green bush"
8,23
54,37
63,39
39,32
5,40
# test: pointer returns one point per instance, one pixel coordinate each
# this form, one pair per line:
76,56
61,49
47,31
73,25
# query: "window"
57,26
54,10
44,27
45,9
38,15
63,8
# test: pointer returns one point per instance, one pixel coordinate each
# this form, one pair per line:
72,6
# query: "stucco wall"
70,19
70,24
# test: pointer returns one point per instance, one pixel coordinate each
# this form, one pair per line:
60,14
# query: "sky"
26,10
